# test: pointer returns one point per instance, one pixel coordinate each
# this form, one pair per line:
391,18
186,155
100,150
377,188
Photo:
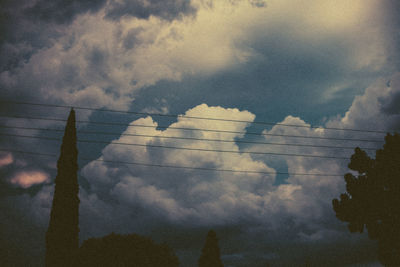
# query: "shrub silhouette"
372,199
62,237
125,250
210,254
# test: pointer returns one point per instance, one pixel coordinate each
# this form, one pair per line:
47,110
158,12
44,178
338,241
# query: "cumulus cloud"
308,200
27,179
311,195
377,101
219,198
201,197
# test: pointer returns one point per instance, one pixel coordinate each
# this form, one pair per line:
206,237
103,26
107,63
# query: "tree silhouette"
210,254
372,199
62,237
125,250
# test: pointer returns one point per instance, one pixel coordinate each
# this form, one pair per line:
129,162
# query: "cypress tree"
210,254
62,237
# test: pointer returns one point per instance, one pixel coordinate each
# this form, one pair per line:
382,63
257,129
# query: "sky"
269,64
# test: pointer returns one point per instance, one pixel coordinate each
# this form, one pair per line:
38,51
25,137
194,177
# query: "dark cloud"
390,105
166,9
392,27
24,221
394,106
19,38
131,39
21,240
62,11
258,3
26,26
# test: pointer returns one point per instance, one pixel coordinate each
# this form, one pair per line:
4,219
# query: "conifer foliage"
62,237
372,200
210,254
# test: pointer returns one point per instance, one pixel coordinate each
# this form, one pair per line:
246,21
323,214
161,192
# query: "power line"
192,117
184,148
193,129
176,167
188,138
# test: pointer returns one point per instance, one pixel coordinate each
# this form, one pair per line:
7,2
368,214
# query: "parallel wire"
176,167
183,148
193,129
187,138
191,117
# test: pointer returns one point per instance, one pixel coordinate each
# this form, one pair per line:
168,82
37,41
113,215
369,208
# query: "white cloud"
373,102
308,198
181,195
210,197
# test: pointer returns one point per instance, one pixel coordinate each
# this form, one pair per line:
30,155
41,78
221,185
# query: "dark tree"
125,250
372,200
210,254
62,237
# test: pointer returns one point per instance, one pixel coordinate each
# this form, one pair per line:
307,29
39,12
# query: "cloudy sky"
263,67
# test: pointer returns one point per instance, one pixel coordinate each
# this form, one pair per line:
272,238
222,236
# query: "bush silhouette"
125,250
210,254
372,200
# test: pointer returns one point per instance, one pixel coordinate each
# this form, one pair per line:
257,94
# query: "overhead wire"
185,138
191,117
192,129
184,148
176,167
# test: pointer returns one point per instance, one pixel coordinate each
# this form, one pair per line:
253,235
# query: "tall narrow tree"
62,237
210,254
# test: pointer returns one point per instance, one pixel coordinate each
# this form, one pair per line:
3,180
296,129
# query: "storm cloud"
333,64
